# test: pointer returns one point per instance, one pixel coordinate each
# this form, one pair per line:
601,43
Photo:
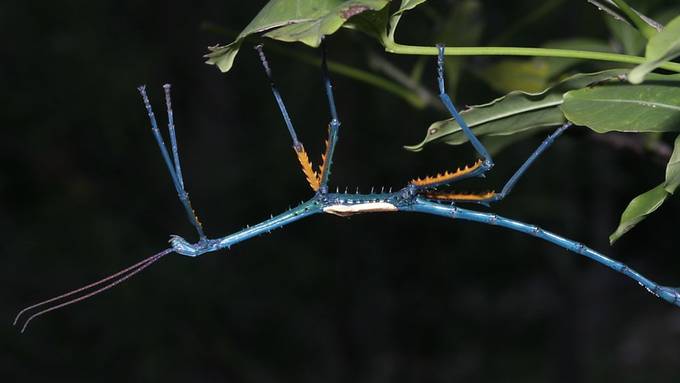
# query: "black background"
373,298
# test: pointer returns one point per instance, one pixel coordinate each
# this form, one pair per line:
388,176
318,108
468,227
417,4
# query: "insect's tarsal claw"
183,247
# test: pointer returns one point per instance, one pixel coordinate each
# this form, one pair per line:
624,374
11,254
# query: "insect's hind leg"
173,164
490,197
667,293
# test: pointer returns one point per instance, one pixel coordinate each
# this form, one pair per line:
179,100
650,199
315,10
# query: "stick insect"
421,195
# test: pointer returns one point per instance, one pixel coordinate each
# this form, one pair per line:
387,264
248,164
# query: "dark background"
374,298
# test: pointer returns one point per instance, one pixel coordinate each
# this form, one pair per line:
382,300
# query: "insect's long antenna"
117,278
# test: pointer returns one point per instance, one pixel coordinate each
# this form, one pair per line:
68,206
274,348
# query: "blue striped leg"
173,165
669,294
487,198
446,100
307,167
333,126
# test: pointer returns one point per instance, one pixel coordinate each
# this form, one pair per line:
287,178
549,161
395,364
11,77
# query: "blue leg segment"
522,169
277,96
333,126
669,294
173,165
181,246
446,100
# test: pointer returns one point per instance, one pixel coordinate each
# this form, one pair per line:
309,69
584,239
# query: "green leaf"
619,106
645,204
664,46
306,21
638,209
513,113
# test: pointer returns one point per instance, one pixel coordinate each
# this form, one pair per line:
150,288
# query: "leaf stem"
519,51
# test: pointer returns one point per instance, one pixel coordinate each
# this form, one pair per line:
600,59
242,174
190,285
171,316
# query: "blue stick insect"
421,195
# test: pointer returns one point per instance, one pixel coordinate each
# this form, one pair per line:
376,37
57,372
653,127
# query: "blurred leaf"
645,204
619,106
664,46
515,74
463,27
630,38
558,66
513,113
306,21
536,74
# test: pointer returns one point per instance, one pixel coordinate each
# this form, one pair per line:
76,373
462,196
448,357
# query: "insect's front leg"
173,164
203,246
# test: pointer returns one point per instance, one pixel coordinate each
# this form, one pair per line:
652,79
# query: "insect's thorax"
345,204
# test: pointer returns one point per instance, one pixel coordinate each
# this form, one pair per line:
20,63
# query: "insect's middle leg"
314,178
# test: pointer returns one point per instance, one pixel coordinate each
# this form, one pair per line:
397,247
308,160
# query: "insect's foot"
669,294
183,247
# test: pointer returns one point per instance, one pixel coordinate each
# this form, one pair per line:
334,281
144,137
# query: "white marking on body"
370,207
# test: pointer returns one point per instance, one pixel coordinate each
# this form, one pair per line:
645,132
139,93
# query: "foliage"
539,92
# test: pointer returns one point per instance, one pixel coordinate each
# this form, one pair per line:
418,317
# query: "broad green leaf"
664,46
306,21
638,209
618,106
645,204
536,74
513,113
